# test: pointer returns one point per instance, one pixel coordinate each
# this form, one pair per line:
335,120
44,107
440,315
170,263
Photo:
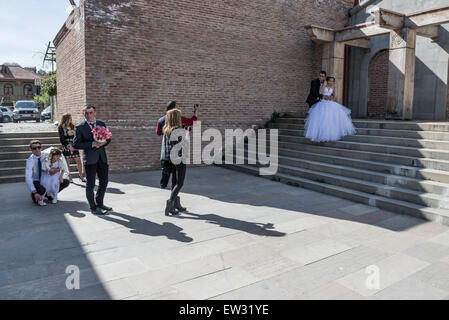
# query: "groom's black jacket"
83,140
314,95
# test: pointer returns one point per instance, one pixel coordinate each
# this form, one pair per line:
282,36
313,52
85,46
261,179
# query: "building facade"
368,93
241,60
17,83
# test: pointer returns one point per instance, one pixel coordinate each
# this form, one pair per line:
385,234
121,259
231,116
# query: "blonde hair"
172,121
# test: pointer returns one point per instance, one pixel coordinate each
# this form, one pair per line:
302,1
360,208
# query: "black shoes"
174,207
104,207
170,208
99,211
178,205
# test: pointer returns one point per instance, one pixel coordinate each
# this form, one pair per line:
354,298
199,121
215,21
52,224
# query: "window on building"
8,90
28,90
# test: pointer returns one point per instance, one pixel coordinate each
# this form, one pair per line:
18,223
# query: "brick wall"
240,60
377,86
71,70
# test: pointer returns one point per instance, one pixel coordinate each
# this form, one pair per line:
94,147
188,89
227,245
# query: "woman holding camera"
173,136
66,131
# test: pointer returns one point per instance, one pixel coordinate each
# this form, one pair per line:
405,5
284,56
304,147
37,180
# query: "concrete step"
21,178
381,124
395,141
18,148
428,135
372,147
370,182
14,155
12,163
368,175
378,166
29,135
421,198
370,156
21,170
437,215
24,141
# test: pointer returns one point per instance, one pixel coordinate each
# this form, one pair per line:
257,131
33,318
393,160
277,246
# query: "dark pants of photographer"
166,171
178,176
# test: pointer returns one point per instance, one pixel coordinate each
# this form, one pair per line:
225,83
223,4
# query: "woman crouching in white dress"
328,120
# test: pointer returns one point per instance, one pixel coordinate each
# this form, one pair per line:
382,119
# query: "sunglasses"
89,112
36,148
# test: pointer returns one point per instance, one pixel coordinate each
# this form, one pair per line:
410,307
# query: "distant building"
17,83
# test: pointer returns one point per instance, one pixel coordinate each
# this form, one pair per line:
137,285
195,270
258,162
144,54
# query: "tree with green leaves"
48,90
48,84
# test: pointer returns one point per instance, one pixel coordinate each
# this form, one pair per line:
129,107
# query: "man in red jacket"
160,125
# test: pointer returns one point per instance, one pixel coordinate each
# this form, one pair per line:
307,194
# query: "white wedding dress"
328,120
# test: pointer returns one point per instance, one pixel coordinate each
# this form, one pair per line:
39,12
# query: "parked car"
26,110
1,116
46,114
7,114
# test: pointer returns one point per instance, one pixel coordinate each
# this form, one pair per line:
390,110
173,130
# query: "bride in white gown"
328,120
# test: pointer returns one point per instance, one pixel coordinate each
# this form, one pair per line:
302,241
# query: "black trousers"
101,169
166,172
41,190
178,177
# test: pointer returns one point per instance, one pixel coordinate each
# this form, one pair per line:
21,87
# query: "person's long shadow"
257,228
108,189
146,227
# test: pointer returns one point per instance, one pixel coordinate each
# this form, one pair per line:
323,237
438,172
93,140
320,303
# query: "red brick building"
241,60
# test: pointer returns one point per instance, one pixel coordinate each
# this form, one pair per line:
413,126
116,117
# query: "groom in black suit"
95,160
314,95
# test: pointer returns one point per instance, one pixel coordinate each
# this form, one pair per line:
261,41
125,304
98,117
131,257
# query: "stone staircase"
398,166
14,150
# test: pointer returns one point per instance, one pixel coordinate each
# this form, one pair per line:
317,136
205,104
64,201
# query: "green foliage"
48,84
42,100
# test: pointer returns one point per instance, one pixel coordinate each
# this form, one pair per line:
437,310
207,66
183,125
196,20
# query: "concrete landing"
243,238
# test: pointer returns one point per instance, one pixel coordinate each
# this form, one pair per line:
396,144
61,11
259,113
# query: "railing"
11,99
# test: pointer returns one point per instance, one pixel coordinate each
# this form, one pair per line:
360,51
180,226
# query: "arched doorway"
378,85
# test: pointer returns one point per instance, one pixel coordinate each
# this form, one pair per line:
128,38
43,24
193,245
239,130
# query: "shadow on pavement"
256,228
146,227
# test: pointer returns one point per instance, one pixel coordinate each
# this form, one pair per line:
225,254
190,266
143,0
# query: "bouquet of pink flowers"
101,134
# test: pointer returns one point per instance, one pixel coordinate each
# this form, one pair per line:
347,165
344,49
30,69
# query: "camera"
185,127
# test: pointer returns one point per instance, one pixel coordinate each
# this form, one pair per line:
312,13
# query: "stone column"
401,74
333,62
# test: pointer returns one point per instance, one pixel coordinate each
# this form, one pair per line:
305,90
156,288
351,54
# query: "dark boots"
178,205
170,208
174,207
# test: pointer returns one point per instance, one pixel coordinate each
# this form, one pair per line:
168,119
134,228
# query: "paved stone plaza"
244,238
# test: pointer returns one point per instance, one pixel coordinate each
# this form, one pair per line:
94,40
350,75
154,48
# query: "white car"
26,110
7,114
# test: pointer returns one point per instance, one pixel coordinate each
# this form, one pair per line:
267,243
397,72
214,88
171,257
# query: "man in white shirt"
33,172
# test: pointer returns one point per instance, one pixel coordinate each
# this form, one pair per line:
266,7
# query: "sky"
26,27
